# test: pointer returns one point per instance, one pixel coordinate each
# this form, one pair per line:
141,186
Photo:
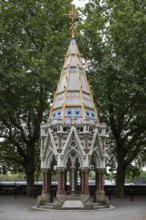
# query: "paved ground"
20,209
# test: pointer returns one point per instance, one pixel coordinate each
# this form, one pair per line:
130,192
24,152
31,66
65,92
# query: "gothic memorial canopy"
73,142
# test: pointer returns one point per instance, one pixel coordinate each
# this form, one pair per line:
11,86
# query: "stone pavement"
20,209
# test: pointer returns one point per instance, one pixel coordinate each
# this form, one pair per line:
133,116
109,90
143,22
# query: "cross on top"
72,15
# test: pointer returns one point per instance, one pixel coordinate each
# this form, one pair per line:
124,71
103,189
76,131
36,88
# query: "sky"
80,3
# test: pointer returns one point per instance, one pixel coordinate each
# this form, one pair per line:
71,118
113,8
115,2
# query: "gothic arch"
49,158
97,159
68,155
73,137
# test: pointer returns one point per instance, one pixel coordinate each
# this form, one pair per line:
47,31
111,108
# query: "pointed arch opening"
73,164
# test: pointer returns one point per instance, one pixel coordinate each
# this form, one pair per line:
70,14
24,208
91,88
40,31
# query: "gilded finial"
72,15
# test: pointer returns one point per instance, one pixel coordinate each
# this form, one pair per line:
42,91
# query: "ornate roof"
73,97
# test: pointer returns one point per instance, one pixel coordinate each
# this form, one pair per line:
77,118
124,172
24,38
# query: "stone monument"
73,142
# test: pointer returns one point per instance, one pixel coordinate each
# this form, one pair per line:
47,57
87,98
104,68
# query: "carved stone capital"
100,170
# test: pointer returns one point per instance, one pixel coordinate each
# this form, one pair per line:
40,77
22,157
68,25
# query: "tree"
114,31
33,40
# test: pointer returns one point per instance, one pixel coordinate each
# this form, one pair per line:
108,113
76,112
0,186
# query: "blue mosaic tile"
77,112
69,112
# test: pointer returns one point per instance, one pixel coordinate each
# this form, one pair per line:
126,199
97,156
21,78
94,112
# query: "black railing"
14,189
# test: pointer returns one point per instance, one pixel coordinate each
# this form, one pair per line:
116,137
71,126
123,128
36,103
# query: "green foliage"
34,38
141,179
91,175
12,177
131,173
114,32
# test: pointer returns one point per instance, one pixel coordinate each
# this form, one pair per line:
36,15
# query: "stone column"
85,195
65,180
61,181
70,178
84,181
80,174
100,194
60,194
46,191
73,179
76,179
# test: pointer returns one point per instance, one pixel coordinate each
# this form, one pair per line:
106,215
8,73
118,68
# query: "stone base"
60,198
83,199
73,204
102,199
43,199
74,201
46,196
40,201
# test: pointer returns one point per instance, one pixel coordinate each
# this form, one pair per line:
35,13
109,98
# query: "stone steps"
73,197
47,206
73,204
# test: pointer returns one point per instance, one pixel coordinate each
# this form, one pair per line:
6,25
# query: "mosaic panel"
56,114
63,83
83,83
90,114
87,100
73,41
81,71
73,48
67,61
78,61
73,61
59,100
73,100
77,112
73,112
67,119
73,83
65,70
73,70
78,120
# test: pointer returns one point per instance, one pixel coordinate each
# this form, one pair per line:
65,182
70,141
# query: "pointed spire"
73,98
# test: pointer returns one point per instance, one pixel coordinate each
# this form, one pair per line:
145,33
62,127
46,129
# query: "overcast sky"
80,3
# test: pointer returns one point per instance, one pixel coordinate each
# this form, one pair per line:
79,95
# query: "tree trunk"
30,170
30,183
120,181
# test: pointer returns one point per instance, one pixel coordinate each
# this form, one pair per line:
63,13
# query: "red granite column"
85,195
44,176
46,180
84,181
100,180
76,179
46,185
61,181
80,174
100,195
